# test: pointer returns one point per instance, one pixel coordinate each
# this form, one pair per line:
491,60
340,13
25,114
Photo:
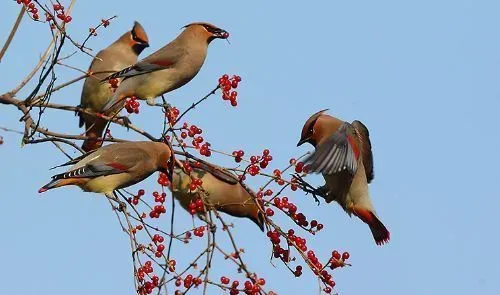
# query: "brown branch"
12,32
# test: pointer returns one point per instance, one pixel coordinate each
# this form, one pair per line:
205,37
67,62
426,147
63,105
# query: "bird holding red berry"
169,68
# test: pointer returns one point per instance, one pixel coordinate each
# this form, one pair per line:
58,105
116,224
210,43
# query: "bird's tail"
379,231
56,182
94,132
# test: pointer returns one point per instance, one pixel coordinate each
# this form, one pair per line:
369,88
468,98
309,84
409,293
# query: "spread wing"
336,154
366,148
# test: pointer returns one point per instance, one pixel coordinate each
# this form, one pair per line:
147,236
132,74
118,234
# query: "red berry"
68,19
345,255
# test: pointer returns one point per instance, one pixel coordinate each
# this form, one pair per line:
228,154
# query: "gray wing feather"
334,155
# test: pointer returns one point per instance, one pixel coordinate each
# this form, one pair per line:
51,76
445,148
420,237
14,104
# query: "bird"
121,53
169,68
114,166
343,154
223,191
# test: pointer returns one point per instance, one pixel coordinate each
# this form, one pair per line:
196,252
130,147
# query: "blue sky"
423,76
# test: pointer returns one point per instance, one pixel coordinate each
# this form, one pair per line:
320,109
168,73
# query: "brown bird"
169,68
223,191
343,155
122,53
114,166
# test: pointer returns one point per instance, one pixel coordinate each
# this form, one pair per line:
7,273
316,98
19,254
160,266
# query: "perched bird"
223,191
114,166
122,53
169,68
343,155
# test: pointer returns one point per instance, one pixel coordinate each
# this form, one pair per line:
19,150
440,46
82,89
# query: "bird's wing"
162,59
366,148
335,154
73,161
108,161
139,68
218,172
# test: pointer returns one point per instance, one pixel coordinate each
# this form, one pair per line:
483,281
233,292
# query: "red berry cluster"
148,286
159,198
135,199
187,166
163,179
238,155
157,211
226,84
278,251
1,140
190,131
172,114
160,247
277,177
337,260
147,268
196,205
59,10
318,270
262,161
199,231
261,194
194,132
30,7
195,183
253,289
291,210
189,281
299,167
132,105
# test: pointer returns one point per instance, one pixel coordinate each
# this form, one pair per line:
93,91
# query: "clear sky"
422,75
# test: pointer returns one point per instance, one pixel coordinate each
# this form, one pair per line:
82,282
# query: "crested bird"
121,53
169,68
343,155
222,191
114,166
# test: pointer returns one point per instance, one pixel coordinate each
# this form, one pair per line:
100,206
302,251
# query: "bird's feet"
122,207
77,110
321,191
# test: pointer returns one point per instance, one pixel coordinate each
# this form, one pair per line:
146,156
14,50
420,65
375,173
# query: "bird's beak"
221,34
146,45
302,141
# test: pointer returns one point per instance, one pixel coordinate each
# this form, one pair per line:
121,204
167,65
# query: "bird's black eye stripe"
212,29
135,38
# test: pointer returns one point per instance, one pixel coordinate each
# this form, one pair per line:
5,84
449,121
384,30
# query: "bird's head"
209,31
138,38
310,132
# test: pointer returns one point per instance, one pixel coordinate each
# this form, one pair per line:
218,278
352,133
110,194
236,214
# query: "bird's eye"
311,130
